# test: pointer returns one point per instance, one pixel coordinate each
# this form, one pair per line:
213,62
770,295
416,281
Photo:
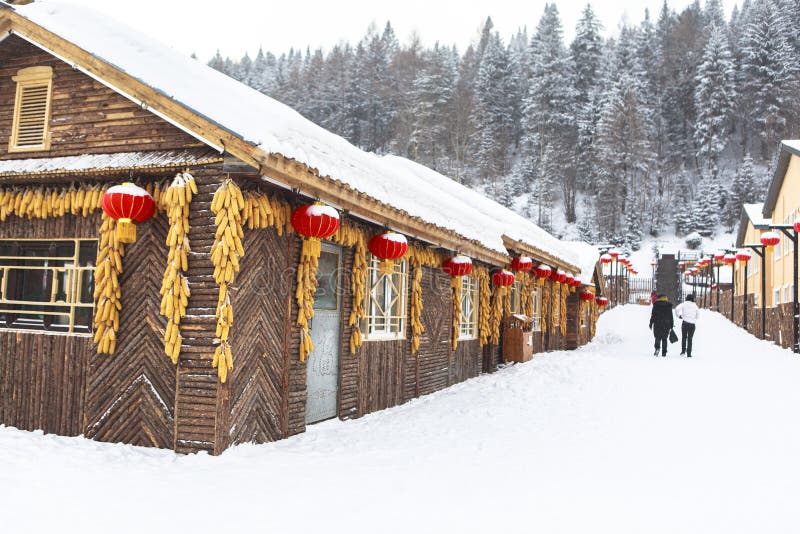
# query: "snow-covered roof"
588,256
108,162
277,129
753,212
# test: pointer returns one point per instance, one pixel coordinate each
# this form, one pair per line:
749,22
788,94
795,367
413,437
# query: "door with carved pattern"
322,368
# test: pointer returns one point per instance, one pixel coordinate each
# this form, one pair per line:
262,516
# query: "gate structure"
639,289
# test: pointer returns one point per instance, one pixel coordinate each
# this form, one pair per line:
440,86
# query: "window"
537,308
47,285
468,328
777,297
386,301
555,309
29,130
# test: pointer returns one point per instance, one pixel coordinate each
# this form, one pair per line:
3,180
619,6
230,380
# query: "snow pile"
607,439
278,129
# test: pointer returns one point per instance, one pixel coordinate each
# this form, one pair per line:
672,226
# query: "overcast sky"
236,26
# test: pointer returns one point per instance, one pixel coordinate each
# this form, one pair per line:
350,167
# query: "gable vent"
32,110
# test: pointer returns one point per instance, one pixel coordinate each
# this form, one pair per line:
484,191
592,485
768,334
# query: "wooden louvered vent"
32,110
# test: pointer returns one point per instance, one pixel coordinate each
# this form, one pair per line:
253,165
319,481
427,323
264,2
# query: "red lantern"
570,280
457,266
315,220
388,246
503,278
770,239
614,253
522,264
743,256
587,296
719,256
559,276
128,204
543,271
602,301
577,283
729,259
796,226
681,265
653,264
606,258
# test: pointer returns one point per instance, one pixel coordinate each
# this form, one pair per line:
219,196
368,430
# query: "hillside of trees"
668,125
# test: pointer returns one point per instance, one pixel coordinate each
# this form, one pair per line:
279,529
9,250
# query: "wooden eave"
274,166
539,254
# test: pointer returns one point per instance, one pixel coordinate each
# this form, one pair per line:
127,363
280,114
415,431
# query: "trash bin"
518,339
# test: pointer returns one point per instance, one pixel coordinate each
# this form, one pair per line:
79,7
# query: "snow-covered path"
604,439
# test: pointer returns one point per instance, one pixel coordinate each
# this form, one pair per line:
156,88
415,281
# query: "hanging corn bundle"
416,301
175,286
484,305
107,293
563,309
257,212
227,206
43,203
306,287
314,222
546,286
358,286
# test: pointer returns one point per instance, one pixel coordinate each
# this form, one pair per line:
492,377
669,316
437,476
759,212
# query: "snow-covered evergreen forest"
666,125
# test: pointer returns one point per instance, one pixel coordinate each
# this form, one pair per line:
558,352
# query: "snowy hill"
607,439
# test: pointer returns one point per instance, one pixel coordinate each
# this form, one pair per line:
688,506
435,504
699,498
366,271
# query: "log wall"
86,117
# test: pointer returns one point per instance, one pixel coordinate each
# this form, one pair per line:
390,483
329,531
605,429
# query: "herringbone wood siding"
435,345
255,397
130,394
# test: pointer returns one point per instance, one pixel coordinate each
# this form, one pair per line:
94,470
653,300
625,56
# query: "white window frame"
468,324
536,296
396,287
776,296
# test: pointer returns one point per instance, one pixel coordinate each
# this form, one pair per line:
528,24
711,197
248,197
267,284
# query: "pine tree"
492,112
705,208
714,14
586,54
624,155
770,84
683,204
743,191
547,121
714,98
433,95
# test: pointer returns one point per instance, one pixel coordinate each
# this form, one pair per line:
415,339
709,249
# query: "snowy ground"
604,439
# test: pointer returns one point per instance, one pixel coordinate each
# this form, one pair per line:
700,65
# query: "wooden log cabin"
123,343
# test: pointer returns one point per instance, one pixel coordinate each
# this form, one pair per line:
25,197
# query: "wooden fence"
779,325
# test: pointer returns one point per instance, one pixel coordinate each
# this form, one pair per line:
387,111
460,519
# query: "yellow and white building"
781,206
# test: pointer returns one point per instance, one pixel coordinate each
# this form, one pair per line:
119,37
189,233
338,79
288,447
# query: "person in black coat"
661,322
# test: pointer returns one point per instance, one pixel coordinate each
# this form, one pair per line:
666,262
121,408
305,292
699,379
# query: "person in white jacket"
688,312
